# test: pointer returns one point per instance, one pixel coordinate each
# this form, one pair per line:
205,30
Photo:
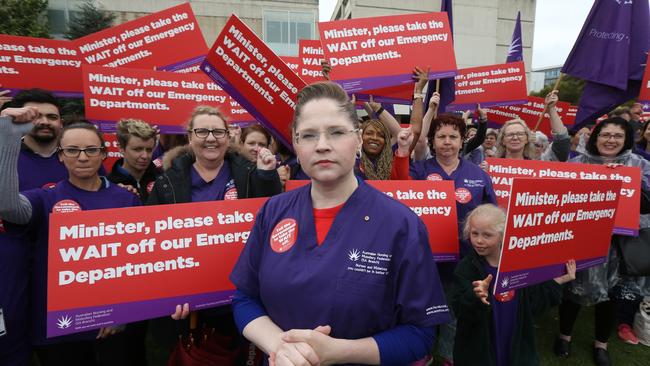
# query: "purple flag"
610,55
602,51
516,50
447,86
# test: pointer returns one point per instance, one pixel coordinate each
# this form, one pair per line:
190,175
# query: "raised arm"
14,123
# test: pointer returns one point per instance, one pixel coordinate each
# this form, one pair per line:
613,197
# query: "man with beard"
38,166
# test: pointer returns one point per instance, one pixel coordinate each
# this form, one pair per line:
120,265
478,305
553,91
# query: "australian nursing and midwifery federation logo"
354,255
624,2
64,322
505,282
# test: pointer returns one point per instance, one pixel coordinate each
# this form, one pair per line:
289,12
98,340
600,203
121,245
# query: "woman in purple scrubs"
81,149
336,271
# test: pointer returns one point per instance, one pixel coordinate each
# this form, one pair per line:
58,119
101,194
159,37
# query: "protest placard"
528,112
371,53
551,221
502,172
256,77
569,118
28,62
292,62
433,201
310,54
493,85
113,153
160,98
644,94
109,267
162,40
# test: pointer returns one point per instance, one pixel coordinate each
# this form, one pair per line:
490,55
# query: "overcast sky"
557,24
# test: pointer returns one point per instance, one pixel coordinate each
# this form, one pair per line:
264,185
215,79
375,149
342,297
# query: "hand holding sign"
481,289
570,273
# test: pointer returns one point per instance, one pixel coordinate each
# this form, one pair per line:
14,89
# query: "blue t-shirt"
34,171
43,202
373,271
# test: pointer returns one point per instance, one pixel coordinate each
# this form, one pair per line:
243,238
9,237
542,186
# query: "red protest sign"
492,85
159,40
310,54
551,221
569,117
399,94
162,98
502,172
292,62
644,95
255,76
121,265
113,153
433,201
528,112
28,62
371,53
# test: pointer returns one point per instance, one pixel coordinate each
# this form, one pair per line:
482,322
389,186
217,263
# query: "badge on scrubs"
463,195
284,235
66,206
505,296
231,191
434,177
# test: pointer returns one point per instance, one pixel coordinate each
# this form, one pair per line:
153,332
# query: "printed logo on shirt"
66,206
434,177
284,235
369,262
150,186
463,195
505,296
473,183
2,227
49,185
231,191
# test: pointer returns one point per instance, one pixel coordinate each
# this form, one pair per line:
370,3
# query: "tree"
24,18
89,19
570,90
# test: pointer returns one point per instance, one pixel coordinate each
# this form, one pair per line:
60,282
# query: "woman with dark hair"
611,144
254,138
378,161
81,149
303,294
642,146
473,188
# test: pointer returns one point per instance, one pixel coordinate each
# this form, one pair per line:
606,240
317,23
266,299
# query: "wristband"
418,95
379,111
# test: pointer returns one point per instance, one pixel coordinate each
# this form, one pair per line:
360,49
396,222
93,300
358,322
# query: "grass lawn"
621,354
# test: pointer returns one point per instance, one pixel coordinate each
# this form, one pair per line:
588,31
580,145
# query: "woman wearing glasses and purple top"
26,215
336,272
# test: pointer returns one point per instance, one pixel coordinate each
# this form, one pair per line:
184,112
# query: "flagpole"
541,116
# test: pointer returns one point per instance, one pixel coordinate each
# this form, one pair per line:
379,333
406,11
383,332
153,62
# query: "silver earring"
297,161
359,154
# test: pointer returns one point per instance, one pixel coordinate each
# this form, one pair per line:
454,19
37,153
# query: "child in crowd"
496,330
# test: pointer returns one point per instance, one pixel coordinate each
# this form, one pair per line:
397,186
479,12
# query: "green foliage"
24,18
89,19
570,90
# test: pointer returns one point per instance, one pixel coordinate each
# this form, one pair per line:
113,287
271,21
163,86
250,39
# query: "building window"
283,29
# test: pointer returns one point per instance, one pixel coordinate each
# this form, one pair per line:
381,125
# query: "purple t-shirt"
373,271
220,188
34,171
504,316
472,185
43,202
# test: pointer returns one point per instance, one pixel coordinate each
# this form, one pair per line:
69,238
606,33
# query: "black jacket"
118,176
473,344
174,186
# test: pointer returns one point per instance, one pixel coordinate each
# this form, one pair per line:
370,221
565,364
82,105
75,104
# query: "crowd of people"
298,301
